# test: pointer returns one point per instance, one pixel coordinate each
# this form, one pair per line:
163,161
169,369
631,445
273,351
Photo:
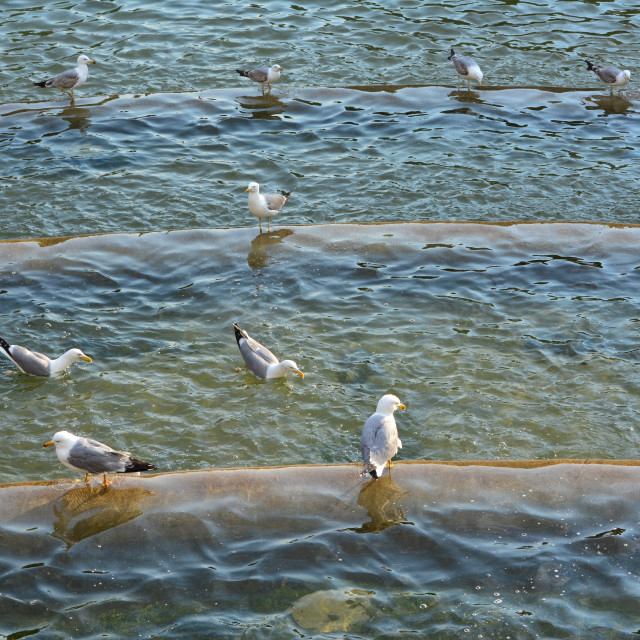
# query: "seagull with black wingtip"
37,364
467,68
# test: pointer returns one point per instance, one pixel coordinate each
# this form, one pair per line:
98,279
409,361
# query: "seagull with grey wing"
260,361
613,76
265,205
263,75
37,364
467,68
90,456
70,79
380,440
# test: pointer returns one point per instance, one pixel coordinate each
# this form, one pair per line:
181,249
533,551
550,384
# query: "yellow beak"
247,190
92,61
87,358
48,444
401,406
300,373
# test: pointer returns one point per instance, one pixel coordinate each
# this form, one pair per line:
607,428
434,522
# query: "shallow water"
437,551
505,341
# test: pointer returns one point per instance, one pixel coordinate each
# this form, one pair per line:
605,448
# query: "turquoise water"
505,340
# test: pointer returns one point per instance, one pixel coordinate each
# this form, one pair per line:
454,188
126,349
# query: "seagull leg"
86,479
469,84
268,225
105,482
458,83
260,223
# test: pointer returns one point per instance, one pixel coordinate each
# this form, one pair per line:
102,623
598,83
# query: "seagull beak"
299,373
87,358
247,190
92,61
401,406
281,68
48,444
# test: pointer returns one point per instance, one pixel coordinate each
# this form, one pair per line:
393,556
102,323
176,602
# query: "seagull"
37,364
613,76
380,440
91,456
265,205
70,79
263,75
467,68
260,361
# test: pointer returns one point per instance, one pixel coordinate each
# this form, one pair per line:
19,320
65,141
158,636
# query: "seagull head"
77,354
61,438
85,60
627,73
253,187
388,404
277,67
291,367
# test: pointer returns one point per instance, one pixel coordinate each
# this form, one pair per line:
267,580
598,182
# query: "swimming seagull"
37,364
260,361
265,205
467,68
91,456
613,76
263,75
380,440
70,79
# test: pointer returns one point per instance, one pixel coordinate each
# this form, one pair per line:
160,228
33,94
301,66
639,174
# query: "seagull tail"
239,333
5,345
138,465
453,53
286,197
242,73
590,67
40,84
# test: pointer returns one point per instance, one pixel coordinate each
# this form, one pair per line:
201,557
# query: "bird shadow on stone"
84,512
381,500
262,245
262,107
610,104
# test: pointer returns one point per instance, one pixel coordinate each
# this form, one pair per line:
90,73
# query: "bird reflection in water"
267,107
88,511
380,498
260,247
466,96
610,104
77,118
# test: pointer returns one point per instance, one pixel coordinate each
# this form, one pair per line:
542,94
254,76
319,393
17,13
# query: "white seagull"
467,68
613,76
380,440
263,75
91,456
265,205
37,364
70,79
260,361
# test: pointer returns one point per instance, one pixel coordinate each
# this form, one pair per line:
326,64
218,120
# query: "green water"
505,342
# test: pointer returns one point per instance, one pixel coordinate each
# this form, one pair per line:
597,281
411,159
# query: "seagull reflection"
266,107
88,511
466,96
77,118
259,255
609,103
379,497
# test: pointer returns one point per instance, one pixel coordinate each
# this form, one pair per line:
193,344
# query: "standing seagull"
91,456
70,79
380,440
263,75
613,76
265,205
467,68
37,364
260,361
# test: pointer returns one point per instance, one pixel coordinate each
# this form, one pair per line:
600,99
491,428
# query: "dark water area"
474,551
